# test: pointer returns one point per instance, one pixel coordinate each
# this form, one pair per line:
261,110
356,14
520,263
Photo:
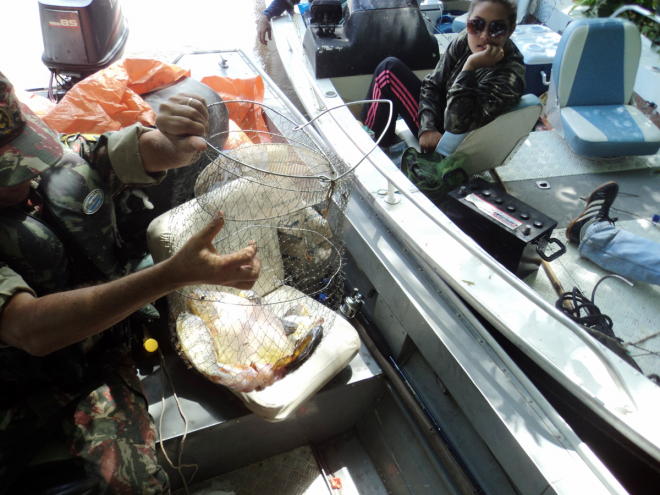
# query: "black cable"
586,313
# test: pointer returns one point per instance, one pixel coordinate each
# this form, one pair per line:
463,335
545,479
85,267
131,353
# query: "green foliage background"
605,8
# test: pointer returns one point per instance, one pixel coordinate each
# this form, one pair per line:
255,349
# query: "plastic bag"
40,105
235,137
247,116
109,99
433,174
147,75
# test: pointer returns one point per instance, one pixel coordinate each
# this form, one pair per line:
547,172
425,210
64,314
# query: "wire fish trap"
247,340
243,343
279,192
282,170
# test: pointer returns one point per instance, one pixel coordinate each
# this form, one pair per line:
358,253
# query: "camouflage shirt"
114,158
108,162
459,101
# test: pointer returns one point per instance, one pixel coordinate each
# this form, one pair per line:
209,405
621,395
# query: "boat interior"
438,399
360,432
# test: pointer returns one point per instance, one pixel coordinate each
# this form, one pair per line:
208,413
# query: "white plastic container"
538,45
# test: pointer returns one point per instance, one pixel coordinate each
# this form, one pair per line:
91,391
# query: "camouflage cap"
27,145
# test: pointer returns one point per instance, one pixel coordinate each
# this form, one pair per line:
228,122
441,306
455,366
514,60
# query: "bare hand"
184,120
198,262
486,58
263,28
429,140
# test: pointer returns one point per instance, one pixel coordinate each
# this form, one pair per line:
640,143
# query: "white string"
185,420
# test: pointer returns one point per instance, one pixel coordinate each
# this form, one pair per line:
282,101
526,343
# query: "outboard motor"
81,37
371,31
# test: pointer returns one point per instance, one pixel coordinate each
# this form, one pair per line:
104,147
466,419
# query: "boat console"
370,32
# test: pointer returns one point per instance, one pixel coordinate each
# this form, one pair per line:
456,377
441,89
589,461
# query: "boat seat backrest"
591,89
596,62
489,145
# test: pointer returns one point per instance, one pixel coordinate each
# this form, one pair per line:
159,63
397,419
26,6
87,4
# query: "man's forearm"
43,325
159,153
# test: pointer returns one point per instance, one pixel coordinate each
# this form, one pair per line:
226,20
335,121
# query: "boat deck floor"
544,157
307,470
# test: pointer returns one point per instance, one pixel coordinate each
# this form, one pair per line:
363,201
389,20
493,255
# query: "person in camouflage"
480,76
66,290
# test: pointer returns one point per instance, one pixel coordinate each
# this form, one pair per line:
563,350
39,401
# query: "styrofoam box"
538,44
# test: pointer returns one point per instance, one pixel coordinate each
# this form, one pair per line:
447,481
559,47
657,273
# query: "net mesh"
278,187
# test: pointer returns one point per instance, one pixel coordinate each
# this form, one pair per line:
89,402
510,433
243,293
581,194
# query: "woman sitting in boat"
480,76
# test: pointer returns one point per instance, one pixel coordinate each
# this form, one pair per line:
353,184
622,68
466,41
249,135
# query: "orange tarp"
40,105
236,137
109,100
248,116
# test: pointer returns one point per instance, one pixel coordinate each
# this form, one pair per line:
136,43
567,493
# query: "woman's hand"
184,120
429,140
486,58
198,262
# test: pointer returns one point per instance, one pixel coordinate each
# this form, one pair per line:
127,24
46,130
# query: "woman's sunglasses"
496,29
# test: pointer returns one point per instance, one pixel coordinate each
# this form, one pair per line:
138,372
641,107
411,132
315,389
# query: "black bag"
434,174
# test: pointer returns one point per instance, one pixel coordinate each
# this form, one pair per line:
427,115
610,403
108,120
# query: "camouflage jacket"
456,101
71,241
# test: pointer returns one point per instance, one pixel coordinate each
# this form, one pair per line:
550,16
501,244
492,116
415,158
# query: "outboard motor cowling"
372,31
81,37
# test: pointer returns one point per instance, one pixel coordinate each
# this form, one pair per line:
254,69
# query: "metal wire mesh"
278,187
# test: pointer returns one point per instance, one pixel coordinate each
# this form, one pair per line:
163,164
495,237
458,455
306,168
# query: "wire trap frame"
279,188
287,170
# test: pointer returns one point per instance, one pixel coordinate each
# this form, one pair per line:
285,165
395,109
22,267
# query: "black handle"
556,254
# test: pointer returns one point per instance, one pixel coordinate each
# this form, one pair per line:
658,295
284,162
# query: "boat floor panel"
345,457
545,154
294,473
566,198
545,157
635,311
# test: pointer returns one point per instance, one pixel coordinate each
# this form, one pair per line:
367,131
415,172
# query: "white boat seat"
489,145
593,75
340,342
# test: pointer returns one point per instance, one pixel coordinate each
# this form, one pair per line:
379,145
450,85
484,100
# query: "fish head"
201,305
